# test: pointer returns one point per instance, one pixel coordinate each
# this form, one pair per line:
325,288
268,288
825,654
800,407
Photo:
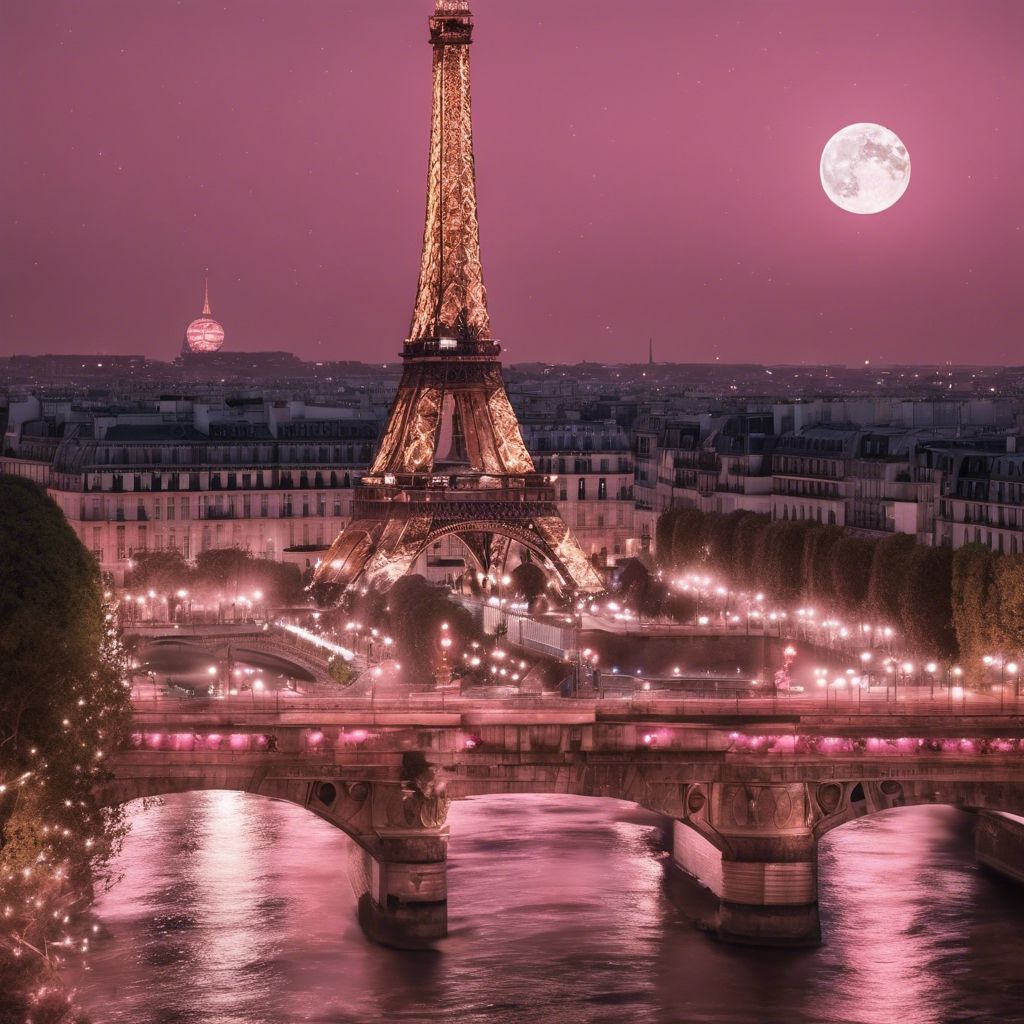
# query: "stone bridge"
273,644
750,793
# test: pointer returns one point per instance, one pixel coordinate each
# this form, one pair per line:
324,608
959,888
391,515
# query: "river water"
237,910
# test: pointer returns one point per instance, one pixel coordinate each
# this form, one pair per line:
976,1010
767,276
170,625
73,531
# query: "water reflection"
238,909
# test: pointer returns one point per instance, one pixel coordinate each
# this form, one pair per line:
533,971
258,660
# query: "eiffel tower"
452,458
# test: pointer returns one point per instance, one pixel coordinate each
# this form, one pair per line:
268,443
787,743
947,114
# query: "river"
233,909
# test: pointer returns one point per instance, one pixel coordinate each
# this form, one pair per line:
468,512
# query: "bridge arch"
840,802
399,825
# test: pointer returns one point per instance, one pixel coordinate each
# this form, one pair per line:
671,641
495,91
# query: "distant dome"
204,335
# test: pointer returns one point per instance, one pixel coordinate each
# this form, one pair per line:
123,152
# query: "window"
170,508
264,504
121,547
602,489
581,489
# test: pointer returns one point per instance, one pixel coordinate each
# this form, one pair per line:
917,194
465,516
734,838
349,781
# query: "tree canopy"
952,605
63,708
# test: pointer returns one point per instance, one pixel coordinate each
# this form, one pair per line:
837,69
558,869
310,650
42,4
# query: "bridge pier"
406,904
769,893
753,848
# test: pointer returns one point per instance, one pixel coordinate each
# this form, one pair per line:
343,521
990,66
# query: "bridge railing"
647,705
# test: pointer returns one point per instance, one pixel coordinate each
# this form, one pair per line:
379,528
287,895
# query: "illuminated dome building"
204,334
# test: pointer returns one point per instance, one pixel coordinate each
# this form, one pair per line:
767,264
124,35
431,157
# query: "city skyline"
309,236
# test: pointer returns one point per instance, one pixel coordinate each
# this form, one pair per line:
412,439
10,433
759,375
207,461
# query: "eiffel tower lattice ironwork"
452,458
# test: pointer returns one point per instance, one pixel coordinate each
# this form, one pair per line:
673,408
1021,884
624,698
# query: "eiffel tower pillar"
452,458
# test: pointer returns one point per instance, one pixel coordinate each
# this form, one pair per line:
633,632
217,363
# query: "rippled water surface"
238,910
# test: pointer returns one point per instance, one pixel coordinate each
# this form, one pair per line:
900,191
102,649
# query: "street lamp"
908,672
1013,670
931,668
957,674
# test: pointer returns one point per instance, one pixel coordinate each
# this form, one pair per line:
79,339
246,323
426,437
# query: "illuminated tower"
452,459
204,334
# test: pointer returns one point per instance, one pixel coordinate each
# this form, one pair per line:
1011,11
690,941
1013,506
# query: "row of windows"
203,454
801,513
210,537
807,467
254,480
208,506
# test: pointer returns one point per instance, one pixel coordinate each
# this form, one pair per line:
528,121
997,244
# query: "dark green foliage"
638,589
975,600
232,571
528,581
416,611
687,539
816,564
1008,607
850,572
720,537
926,602
782,559
795,561
225,573
745,562
63,710
889,567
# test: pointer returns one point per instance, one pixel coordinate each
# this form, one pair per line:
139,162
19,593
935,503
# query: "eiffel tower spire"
451,302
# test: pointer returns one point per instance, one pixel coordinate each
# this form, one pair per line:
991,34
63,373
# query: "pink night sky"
646,169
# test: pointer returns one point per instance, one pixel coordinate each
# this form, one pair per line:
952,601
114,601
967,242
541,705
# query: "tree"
1008,617
750,531
850,571
528,581
687,539
232,573
926,603
889,566
638,587
63,709
720,540
417,610
783,558
975,601
663,529
816,563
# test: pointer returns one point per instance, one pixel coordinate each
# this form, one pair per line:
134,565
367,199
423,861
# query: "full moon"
865,168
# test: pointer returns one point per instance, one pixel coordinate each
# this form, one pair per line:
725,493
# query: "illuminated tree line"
225,574
967,604
64,708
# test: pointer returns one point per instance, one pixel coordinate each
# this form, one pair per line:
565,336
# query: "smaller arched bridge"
750,793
